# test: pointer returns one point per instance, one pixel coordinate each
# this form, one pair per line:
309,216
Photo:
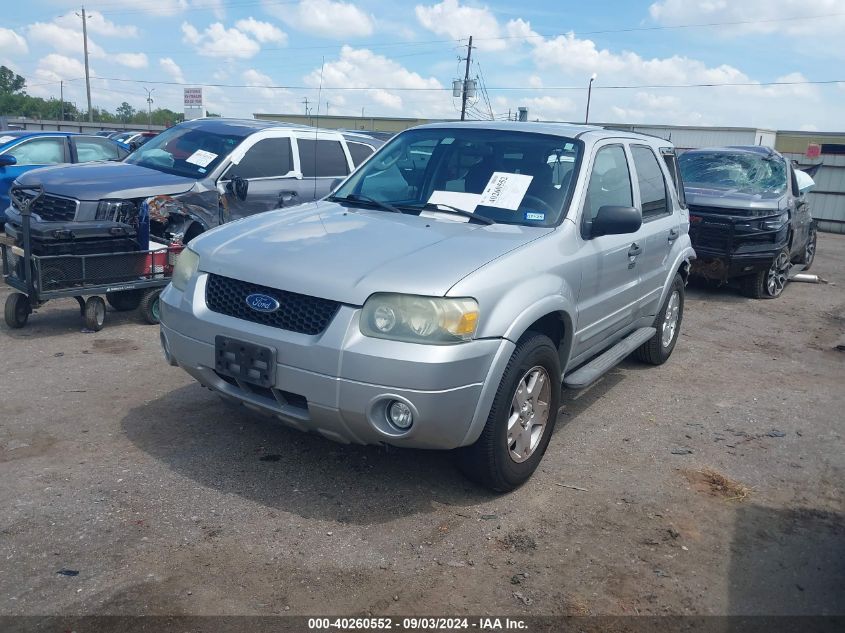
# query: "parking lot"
167,501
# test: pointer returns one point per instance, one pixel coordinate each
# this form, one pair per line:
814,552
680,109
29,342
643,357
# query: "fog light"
399,415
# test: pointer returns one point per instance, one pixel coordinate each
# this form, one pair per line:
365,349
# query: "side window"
671,160
268,158
610,182
88,149
653,193
321,159
359,152
39,151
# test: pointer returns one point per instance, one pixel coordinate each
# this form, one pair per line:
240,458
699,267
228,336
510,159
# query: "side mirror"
616,220
8,159
238,187
134,145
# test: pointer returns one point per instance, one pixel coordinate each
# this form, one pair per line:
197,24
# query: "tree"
10,82
125,112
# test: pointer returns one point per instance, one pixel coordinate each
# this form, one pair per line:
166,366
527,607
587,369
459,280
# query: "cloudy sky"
398,57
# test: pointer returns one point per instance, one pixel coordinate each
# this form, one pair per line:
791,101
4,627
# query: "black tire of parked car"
756,286
487,461
653,351
150,305
17,310
809,255
124,300
95,313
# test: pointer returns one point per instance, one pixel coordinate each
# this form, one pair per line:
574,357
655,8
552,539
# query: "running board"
592,371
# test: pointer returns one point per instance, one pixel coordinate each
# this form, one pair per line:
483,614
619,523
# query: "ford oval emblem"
262,303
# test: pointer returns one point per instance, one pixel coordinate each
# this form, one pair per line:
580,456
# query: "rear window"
359,152
322,159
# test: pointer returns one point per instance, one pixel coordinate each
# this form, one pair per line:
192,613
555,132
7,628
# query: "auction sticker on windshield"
201,158
505,191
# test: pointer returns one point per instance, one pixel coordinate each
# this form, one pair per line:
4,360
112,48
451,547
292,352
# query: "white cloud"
218,41
55,67
96,24
264,32
325,18
62,39
458,21
172,69
11,43
130,60
758,16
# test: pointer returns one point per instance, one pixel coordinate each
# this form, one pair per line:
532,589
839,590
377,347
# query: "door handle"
673,234
634,250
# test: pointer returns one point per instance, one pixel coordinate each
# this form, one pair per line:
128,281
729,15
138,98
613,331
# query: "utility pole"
149,107
305,101
62,98
466,81
87,73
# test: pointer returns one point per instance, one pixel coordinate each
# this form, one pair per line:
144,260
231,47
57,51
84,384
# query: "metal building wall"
827,200
683,137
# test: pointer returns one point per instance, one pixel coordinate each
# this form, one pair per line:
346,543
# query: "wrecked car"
749,220
197,175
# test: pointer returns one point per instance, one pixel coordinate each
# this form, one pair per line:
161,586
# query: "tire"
124,300
809,255
658,348
150,305
95,313
767,284
17,310
499,459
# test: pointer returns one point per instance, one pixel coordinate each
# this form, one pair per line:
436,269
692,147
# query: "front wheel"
768,284
521,420
95,313
150,304
658,348
809,250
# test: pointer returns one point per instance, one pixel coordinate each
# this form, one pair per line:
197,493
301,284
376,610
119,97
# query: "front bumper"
338,383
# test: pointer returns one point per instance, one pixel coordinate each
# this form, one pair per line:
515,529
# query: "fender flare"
684,258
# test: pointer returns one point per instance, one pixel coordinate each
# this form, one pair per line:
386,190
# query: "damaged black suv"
748,219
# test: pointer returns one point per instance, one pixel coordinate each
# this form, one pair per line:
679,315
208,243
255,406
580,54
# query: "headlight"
776,224
117,210
415,319
186,267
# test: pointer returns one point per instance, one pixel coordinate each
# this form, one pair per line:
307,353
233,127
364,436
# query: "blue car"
22,151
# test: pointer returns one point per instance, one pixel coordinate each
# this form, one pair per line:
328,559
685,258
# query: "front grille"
48,207
715,237
297,313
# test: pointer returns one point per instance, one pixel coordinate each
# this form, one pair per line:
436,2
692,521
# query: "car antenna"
317,124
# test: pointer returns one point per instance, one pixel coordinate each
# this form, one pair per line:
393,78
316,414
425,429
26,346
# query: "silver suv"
444,291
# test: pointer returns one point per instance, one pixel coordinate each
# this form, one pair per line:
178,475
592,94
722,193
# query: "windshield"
745,172
186,151
510,177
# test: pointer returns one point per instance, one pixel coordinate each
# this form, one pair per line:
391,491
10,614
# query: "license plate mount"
255,364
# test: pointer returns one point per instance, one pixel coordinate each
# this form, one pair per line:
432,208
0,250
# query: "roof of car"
570,130
220,124
18,134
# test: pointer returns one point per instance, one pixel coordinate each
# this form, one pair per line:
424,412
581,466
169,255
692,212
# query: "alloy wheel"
529,414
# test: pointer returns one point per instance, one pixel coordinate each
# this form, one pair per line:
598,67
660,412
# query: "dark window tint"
610,182
268,158
359,152
321,159
39,151
653,193
88,149
671,161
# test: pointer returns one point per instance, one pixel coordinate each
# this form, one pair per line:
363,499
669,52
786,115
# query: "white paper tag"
201,158
456,199
6,139
505,191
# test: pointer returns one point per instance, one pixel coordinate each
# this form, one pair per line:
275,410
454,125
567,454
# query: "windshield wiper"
445,208
356,197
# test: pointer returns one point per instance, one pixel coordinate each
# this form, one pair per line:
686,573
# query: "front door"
609,295
323,160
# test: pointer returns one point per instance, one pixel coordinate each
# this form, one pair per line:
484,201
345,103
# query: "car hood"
99,180
733,200
345,254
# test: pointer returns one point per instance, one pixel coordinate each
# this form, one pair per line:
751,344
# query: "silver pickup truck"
445,291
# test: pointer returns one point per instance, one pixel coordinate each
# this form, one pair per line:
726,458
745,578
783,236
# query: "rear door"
609,294
90,148
322,160
661,225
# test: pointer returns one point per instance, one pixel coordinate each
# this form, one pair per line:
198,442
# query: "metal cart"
129,280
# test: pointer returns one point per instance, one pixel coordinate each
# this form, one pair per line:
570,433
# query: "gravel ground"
166,501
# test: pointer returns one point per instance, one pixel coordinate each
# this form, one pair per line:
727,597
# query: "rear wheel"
658,348
17,310
124,300
768,284
95,313
521,420
150,305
